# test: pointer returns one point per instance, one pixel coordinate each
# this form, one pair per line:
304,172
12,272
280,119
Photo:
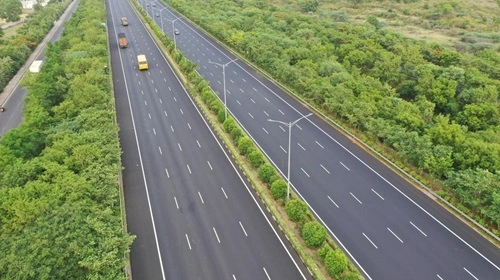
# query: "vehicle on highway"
124,21
142,62
154,4
2,108
157,14
122,40
176,32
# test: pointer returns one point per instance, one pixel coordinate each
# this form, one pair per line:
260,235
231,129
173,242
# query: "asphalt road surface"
192,213
12,116
387,227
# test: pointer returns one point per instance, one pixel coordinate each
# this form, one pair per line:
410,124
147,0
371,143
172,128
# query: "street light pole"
289,125
173,30
224,81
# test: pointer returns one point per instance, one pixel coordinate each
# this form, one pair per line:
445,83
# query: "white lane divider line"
254,89
175,99
169,89
395,235
242,90
156,90
189,243
234,277
189,126
165,80
250,115
201,198
165,112
267,99
281,112
176,204
333,201
266,113
166,171
345,166
142,92
161,102
180,148
439,277
182,112
145,102
224,192
244,80
378,194
231,81
159,148
219,82
189,169
305,172
211,74
370,241
282,128
216,235
269,278
252,100
237,101
172,128
298,126
324,168
423,233
471,273
197,142
319,144
209,165
356,198
149,115
265,130
244,231
154,130
283,149
233,71
301,146
139,82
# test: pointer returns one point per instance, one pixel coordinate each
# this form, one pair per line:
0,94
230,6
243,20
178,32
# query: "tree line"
60,212
436,108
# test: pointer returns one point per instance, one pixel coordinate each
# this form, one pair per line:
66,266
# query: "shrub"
266,172
229,124
323,251
256,158
245,145
216,106
207,96
314,234
279,189
335,262
296,209
221,115
236,134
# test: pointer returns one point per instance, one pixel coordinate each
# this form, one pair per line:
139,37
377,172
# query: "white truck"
35,66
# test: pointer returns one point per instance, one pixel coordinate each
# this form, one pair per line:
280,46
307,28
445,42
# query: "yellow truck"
124,21
142,62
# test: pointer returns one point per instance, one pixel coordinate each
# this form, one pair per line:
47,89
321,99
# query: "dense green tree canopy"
10,10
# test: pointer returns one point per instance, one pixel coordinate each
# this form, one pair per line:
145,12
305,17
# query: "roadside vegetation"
15,49
60,212
309,238
432,110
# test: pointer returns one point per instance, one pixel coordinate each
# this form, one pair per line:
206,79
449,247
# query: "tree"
296,210
279,189
314,234
10,10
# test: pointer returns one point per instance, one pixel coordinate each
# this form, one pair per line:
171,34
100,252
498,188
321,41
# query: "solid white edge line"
140,157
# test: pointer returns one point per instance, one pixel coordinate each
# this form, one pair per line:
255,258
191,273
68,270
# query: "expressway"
193,215
388,228
14,99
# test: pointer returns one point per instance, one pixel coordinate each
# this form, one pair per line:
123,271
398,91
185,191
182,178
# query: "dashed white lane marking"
281,112
197,142
209,165
333,201
172,128
139,82
305,172
154,130
175,99
166,171
282,128
235,73
269,278
219,82
176,204
266,113
254,89
356,198
145,102
169,89
165,80
242,90
395,235
180,148
244,80
423,233
298,126
216,235
189,244
182,112
252,100
189,169
142,92
470,273
265,130
201,198
159,148
231,81
156,90
370,241
283,150
324,168
319,144
237,101
161,102
152,81
439,277
244,231
267,99
211,74
301,146
250,115
345,166
149,115
378,194
234,277
224,192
